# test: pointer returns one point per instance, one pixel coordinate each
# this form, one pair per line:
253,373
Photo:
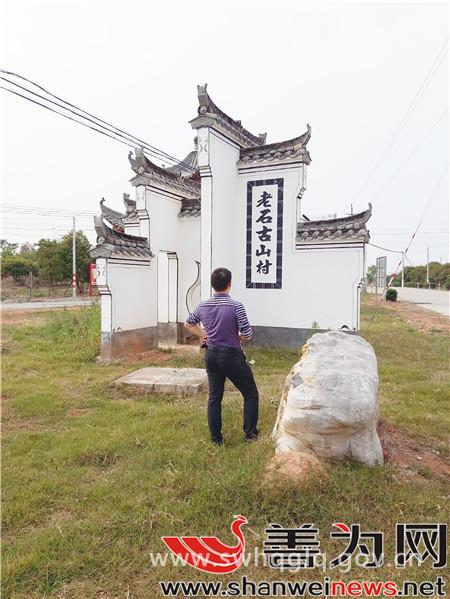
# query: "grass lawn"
94,475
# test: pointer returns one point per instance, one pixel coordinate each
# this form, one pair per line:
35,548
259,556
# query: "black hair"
220,279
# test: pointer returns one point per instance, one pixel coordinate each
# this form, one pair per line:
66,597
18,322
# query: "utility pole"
428,267
31,283
74,261
403,269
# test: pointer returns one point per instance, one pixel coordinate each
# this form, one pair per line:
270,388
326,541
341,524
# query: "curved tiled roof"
112,216
346,228
206,107
187,166
289,149
111,241
141,164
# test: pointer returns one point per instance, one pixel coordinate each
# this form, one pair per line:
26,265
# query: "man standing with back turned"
225,327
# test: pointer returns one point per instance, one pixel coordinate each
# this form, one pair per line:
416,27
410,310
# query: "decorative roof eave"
337,230
291,150
116,244
188,166
190,208
112,216
149,173
211,115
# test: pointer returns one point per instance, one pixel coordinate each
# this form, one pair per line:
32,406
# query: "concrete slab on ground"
181,381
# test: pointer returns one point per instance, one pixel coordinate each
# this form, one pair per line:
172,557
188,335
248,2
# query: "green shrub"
391,295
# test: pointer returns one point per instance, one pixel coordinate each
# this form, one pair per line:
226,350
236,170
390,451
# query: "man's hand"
196,330
244,339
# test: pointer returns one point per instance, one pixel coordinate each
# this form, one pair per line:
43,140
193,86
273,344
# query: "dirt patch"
420,318
10,317
412,458
153,356
78,412
295,467
156,356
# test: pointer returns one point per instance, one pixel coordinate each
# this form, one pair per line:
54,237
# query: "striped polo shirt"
223,318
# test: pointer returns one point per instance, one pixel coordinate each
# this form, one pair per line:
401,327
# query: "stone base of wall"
167,333
184,337
120,343
280,336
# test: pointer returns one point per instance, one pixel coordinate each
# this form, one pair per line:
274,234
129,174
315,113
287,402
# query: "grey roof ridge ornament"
207,108
130,205
112,216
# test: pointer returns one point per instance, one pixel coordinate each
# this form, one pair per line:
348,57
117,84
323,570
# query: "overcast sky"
351,70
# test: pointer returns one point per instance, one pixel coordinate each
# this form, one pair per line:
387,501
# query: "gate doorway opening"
167,297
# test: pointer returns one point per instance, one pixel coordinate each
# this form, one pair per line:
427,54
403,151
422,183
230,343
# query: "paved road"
45,304
431,299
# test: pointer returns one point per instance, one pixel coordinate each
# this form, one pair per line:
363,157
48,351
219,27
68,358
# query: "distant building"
234,201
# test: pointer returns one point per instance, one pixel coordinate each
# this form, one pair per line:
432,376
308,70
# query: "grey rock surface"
329,405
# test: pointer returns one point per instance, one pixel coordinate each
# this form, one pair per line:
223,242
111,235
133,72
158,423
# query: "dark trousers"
229,362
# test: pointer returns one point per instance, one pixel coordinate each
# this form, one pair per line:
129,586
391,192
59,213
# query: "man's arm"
192,324
245,330
196,330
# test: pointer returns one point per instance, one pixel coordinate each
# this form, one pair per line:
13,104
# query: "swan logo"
208,554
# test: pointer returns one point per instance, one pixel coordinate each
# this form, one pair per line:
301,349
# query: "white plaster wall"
170,233
132,229
132,296
225,201
319,286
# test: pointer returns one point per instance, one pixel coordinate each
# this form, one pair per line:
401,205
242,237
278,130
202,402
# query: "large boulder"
329,405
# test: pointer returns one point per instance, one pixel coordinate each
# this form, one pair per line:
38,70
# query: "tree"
7,248
17,267
27,249
371,275
82,256
49,261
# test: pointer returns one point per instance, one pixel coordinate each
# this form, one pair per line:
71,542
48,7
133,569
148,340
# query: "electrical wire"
415,101
162,155
385,249
64,115
128,138
424,138
108,130
433,195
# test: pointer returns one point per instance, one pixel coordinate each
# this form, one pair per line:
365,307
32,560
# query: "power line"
101,126
162,155
403,233
424,138
17,208
102,129
385,249
415,101
64,115
432,196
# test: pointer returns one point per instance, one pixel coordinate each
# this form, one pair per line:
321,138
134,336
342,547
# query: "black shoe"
218,441
251,437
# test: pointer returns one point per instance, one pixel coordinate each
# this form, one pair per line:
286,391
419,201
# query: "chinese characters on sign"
264,234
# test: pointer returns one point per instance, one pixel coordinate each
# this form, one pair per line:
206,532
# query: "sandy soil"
418,317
